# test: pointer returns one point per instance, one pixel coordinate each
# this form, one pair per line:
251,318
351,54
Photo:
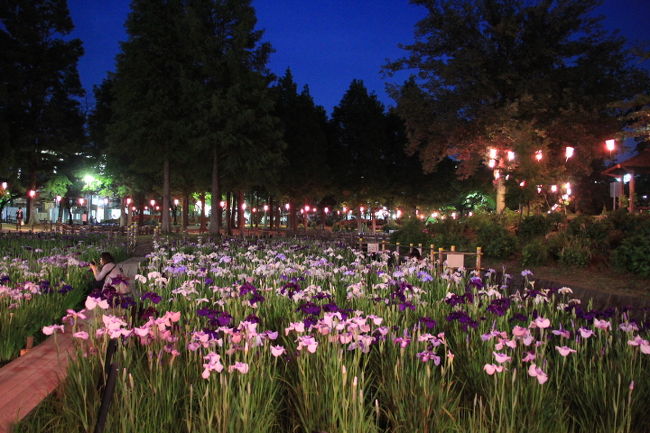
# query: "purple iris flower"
428,322
309,308
152,296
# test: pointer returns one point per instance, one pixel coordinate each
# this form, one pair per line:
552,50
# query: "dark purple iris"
152,296
252,318
310,321
4,279
404,305
476,282
309,308
499,306
321,295
291,288
65,289
208,281
256,297
207,312
247,288
463,318
518,317
330,308
147,313
428,322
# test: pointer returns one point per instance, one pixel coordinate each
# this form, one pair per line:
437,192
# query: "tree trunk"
215,190
501,195
59,216
228,213
164,209
293,220
186,209
202,226
271,211
241,218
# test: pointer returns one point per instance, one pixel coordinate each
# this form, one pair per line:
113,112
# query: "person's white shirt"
109,270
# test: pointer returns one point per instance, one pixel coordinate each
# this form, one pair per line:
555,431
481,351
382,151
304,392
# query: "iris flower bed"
41,276
311,337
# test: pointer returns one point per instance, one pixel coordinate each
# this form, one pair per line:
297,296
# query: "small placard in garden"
373,248
455,260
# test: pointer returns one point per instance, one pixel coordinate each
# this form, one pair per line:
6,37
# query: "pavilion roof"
637,164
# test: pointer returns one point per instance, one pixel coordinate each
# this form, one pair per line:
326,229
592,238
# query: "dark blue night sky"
326,43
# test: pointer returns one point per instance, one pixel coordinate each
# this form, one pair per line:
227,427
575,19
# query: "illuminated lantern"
610,144
152,202
493,154
522,183
32,193
128,201
553,188
539,189
4,185
266,207
176,202
58,198
361,209
254,209
539,155
497,174
568,152
492,163
306,208
243,206
511,155
81,202
326,210
287,206
222,204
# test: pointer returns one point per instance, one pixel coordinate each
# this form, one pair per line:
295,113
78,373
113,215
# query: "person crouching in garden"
106,271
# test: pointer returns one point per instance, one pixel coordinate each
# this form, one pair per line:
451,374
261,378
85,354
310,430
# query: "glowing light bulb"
539,155
493,153
511,155
492,163
610,144
568,152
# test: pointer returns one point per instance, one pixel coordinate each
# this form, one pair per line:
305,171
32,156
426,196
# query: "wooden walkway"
27,380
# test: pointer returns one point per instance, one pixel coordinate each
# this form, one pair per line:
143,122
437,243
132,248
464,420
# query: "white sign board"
455,260
373,248
615,189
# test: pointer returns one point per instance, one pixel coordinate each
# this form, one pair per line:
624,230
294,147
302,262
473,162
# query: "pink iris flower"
564,350
83,335
492,368
538,373
49,330
501,357
241,367
530,356
540,323
91,303
277,350
602,324
585,333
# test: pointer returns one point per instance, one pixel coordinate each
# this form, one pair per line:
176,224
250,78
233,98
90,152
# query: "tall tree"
520,76
149,123
41,124
305,173
232,120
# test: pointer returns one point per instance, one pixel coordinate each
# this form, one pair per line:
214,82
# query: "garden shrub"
496,241
633,254
411,232
448,232
575,252
555,220
535,252
533,226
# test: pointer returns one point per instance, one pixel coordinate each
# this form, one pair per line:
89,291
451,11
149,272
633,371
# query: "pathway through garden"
27,380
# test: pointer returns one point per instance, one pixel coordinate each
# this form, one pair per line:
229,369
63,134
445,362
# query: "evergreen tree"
41,124
232,122
305,173
148,130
